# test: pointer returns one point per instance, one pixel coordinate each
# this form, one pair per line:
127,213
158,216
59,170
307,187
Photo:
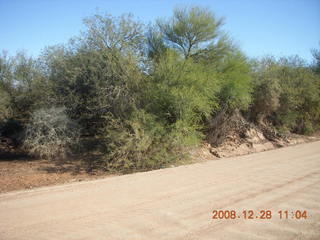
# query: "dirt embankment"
234,136
254,141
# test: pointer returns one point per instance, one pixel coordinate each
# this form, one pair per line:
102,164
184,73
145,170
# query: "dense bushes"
147,95
235,81
287,93
139,143
5,105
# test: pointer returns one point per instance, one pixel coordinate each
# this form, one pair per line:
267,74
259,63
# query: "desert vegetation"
140,95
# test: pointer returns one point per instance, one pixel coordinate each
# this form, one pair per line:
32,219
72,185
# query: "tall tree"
190,29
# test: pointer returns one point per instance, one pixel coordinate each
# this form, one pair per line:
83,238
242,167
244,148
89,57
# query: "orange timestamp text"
259,214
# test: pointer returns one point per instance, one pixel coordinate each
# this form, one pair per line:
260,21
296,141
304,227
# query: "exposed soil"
27,174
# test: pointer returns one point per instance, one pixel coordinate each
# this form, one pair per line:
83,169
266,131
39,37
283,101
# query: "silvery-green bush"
50,133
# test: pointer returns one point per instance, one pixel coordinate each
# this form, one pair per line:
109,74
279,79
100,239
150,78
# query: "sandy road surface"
177,203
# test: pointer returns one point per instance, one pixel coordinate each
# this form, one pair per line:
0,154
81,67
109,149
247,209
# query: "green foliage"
267,89
124,33
181,93
235,81
181,89
5,84
97,73
300,98
195,33
156,46
6,71
30,90
5,105
178,97
316,57
139,143
22,81
190,29
288,93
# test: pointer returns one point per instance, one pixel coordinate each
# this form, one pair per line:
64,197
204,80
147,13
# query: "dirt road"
177,203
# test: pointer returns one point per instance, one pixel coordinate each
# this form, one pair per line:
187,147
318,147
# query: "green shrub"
287,93
267,89
5,105
235,82
140,143
180,89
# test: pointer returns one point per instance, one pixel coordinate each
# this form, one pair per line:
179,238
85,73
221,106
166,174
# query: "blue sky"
259,27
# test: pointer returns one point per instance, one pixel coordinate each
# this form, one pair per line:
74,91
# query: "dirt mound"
232,135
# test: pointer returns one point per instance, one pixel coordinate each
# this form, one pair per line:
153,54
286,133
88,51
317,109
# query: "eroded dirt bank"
177,203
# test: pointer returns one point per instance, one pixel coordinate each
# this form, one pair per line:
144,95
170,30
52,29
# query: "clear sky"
259,27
